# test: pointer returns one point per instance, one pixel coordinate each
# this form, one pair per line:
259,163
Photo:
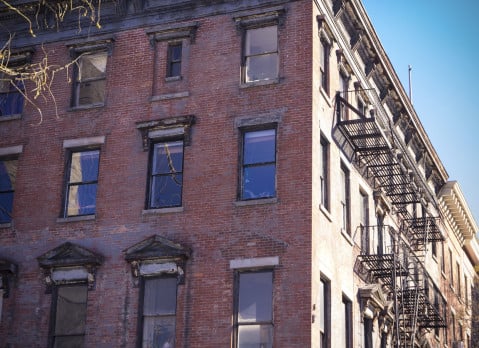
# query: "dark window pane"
160,296
255,336
166,190
159,332
259,181
69,342
255,297
168,158
71,310
175,52
6,204
11,103
175,69
259,147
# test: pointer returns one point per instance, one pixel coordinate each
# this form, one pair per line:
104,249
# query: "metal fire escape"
398,264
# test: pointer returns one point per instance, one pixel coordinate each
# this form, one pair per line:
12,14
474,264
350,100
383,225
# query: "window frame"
16,88
141,303
241,176
79,53
346,204
171,61
348,321
68,184
324,173
54,310
325,313
324,64
245,58
11,191
364,223
237,294
149,193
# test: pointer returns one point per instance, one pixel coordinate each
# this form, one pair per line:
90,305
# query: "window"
253,315
174,59
166,174
343,89
81,183
258,176
348,323
11,96
466,291
364,222
458,281
324,65
159,312
8,174
368,332
434,249
443,259
451,269
324,172
453,326
68,322
90,79
261,59
325,313
344,199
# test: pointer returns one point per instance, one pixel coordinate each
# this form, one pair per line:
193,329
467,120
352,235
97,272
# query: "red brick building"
170,192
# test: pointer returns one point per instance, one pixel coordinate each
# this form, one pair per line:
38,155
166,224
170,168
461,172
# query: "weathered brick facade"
290,233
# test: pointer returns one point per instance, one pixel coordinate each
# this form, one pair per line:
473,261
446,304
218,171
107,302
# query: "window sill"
347,237
326,213
6,225
160,211
10,117
434,257
86,107
258,201
169,96
259,83
443,274
76,218
173,78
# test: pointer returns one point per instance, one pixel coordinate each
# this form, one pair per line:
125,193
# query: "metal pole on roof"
410,83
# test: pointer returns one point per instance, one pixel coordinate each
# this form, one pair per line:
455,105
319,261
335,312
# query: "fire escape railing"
400,269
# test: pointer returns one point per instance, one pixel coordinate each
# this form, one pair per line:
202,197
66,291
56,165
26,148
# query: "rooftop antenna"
410,83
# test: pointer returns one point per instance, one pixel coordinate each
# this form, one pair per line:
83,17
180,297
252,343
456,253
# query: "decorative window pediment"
69,263
8,270
166,127
173,32
155,256
261,18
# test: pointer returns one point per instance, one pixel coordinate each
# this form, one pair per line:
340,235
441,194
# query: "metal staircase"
401,269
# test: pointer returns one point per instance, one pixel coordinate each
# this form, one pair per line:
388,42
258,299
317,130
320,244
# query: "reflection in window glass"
8,173
90,79
166,180
11,96
259,164
82,183
261,54
159,312
254,313
70,316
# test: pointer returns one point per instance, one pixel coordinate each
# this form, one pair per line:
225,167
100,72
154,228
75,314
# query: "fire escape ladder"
401,270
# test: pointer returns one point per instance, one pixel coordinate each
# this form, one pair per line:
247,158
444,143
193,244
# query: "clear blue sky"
440,40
